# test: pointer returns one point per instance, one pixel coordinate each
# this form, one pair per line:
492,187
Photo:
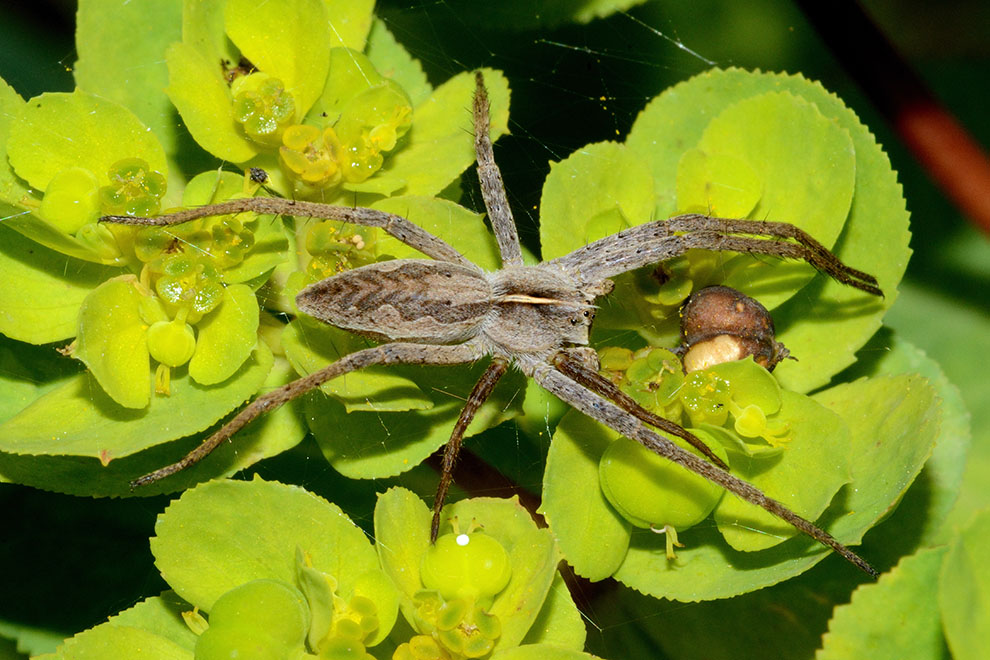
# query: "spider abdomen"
403,300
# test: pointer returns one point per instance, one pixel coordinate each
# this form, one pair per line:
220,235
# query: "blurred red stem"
943,147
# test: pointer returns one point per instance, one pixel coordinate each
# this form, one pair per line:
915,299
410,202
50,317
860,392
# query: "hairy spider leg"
657,241
626,424
395,225
504,228
394,353
603,387
482,390
830,262
490,180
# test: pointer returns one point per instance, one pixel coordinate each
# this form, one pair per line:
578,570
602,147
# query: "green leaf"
161,615
30,640
590,533
11,105
602,178
49,235
350,21
894,422
27,372
402,533
463,229
222,534
79,419
393,61
717,183
289,40
114,641
952,333
402,524
382,443
113,341
269,435
541,652
937,488
806,166
964,590
319,594
531,552
560,623
226,336
58,130
311,346
43,290
828,322
203,29
896,617
199,92
350,74
254,617
440,143
120,50
804,477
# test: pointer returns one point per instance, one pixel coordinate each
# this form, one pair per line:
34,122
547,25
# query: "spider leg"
603,387
697,222
482,390
394,225
490,179
625,423
395,353
657,241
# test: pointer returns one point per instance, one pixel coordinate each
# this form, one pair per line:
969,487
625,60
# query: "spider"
447,311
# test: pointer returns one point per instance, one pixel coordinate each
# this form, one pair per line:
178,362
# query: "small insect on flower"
259,175
445,310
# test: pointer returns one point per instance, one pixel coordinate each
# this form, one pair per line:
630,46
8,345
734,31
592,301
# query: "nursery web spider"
445,310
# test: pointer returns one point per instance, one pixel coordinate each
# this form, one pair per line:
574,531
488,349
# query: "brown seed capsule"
720,324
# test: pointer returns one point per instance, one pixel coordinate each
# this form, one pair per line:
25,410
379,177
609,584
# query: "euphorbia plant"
290,576
173,329
180,325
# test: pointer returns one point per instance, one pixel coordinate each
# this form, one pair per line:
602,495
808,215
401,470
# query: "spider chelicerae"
446,311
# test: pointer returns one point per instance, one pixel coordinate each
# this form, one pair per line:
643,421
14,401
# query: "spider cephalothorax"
447,311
